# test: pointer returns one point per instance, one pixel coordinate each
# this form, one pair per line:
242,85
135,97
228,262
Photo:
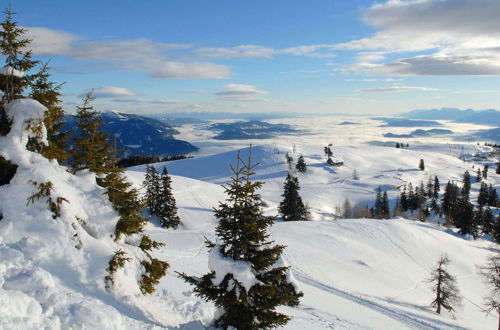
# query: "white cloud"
434,65
240,92
140,55
237,51
256,51
192,91
147,101
110,92
392,89
462,37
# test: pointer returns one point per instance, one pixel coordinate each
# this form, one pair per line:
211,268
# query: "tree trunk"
438,293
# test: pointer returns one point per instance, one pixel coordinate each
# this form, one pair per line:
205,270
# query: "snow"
241,270
10,71
355,273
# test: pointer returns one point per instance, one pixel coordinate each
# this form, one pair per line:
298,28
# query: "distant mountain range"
420,133
487,135
139,135
403,122
482,117
254,129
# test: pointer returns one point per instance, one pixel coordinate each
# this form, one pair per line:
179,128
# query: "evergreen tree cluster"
402,145
381,209
242,236
487,196
159,197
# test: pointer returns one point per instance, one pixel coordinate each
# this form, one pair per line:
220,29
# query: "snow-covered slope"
355,273
53,262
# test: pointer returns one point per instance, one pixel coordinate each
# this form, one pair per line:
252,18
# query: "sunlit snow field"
355,273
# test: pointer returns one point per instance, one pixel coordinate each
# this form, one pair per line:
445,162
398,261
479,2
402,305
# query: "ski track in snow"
407,319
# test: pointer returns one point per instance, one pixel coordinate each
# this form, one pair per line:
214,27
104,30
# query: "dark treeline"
147,159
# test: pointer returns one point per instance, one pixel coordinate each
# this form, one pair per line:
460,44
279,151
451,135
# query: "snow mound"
56,239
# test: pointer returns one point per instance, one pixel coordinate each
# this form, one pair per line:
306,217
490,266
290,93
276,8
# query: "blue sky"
317,56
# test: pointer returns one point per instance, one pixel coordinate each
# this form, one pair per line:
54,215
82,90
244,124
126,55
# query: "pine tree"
15,77
91,147
466,185
346,209
487,221
483,196
152,185
292,207
385,210
462,216
450,197
289,161
496,229
444,285
377,207
403,198
421,165
491,273
429,188
492,196
243,238
436,188
497,171
301,165
47,93
167,208
126,202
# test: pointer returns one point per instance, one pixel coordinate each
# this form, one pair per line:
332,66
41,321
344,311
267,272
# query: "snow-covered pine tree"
248,277
301,165
126,202
167,208
93,152
445,287
292,208
47,93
